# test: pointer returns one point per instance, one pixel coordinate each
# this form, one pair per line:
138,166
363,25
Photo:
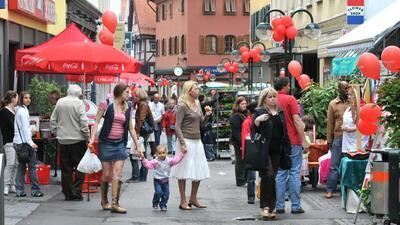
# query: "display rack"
221,125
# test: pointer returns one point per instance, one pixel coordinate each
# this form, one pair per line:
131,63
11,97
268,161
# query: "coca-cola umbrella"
137,78
98,79
86,58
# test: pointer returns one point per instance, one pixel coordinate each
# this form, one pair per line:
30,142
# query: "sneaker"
163,209
298,211
12,189
264,212
37,194
19,195
132,180
155,206
250,200
280,211
6,190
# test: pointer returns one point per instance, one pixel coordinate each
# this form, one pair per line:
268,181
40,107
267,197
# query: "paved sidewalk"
225,202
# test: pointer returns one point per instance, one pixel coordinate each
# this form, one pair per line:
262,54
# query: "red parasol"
85,57
137,78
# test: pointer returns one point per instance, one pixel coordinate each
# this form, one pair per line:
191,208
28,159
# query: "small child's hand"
183,150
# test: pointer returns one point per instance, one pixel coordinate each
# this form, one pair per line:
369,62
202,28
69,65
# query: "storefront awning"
372,31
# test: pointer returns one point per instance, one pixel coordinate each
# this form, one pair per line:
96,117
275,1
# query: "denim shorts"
112,150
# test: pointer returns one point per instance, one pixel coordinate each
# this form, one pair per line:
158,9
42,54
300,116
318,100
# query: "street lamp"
205,76
226,61
249,53
264,30
178,70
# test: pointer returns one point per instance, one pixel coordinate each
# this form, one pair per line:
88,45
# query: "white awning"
369,33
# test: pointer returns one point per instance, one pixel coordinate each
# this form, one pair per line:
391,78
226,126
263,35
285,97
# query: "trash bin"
385,185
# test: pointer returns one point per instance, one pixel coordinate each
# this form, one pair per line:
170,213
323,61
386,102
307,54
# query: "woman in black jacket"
269,122
239,113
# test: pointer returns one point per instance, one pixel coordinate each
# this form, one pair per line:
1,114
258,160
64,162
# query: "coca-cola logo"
111,67
70,66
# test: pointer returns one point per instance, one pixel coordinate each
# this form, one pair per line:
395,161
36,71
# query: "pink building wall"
192,24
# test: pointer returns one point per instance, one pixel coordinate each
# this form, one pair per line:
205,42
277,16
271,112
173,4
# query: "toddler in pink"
162,167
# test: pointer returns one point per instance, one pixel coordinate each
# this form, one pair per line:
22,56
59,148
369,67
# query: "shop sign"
42,10
119,36
213,70
128,40
355,12
2,4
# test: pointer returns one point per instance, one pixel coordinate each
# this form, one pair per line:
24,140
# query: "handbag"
24,150
146,129
255,152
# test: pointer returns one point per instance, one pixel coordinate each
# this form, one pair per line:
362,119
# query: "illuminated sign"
42,10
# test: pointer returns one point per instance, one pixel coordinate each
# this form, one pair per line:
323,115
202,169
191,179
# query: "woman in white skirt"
194,167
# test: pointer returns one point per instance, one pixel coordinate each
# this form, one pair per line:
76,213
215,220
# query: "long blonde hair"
264,93
185,96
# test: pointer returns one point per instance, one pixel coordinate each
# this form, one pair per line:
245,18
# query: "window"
181,7
163,49
183,44
209,7
176,45
157,48
170,10
257,18
170,46
164,13
211,44
158,13
230,7
246,7
230,44
153,45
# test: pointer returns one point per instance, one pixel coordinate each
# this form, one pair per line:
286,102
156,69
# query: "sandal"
37,194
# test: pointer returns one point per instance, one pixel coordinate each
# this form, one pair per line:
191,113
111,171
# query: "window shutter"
206,5
233,5
212,5
220,45
227,6
176,45
202,44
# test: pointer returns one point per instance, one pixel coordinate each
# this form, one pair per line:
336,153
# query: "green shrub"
40,90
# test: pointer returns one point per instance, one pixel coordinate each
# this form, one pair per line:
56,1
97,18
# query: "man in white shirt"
157,109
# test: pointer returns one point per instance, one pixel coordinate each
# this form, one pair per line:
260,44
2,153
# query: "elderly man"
334,134
70,124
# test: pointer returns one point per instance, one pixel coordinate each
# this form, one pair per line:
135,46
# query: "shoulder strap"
16,121
108,104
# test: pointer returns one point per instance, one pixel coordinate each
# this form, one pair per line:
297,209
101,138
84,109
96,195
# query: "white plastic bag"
89,163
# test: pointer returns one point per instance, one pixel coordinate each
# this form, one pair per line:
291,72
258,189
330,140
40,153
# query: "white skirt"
194,164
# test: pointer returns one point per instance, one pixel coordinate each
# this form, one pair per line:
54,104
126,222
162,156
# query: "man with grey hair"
69,124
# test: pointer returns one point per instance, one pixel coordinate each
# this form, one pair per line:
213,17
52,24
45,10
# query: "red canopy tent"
71,34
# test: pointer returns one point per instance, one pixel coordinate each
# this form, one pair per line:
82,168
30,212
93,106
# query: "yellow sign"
119,36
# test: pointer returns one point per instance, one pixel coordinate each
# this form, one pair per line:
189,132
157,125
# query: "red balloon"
280,29
253,53
231,69
276,22
109,20
370,112
259,49
106,37
369,65
295,68
277,37
236,65
304,81
367,128
257,58
206,77
243,49
291,32
245,56
391,58
287,21
226,66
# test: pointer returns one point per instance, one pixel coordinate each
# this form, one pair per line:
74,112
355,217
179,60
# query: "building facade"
85,15
144,34
23,26
198,34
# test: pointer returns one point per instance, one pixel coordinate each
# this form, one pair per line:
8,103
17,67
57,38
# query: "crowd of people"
127,124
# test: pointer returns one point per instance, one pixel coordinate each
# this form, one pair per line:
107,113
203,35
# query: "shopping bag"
255,154
89,163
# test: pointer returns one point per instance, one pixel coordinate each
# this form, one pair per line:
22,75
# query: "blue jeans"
157,134
20,180
290,178
171,142
336,156
209,151
161,193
